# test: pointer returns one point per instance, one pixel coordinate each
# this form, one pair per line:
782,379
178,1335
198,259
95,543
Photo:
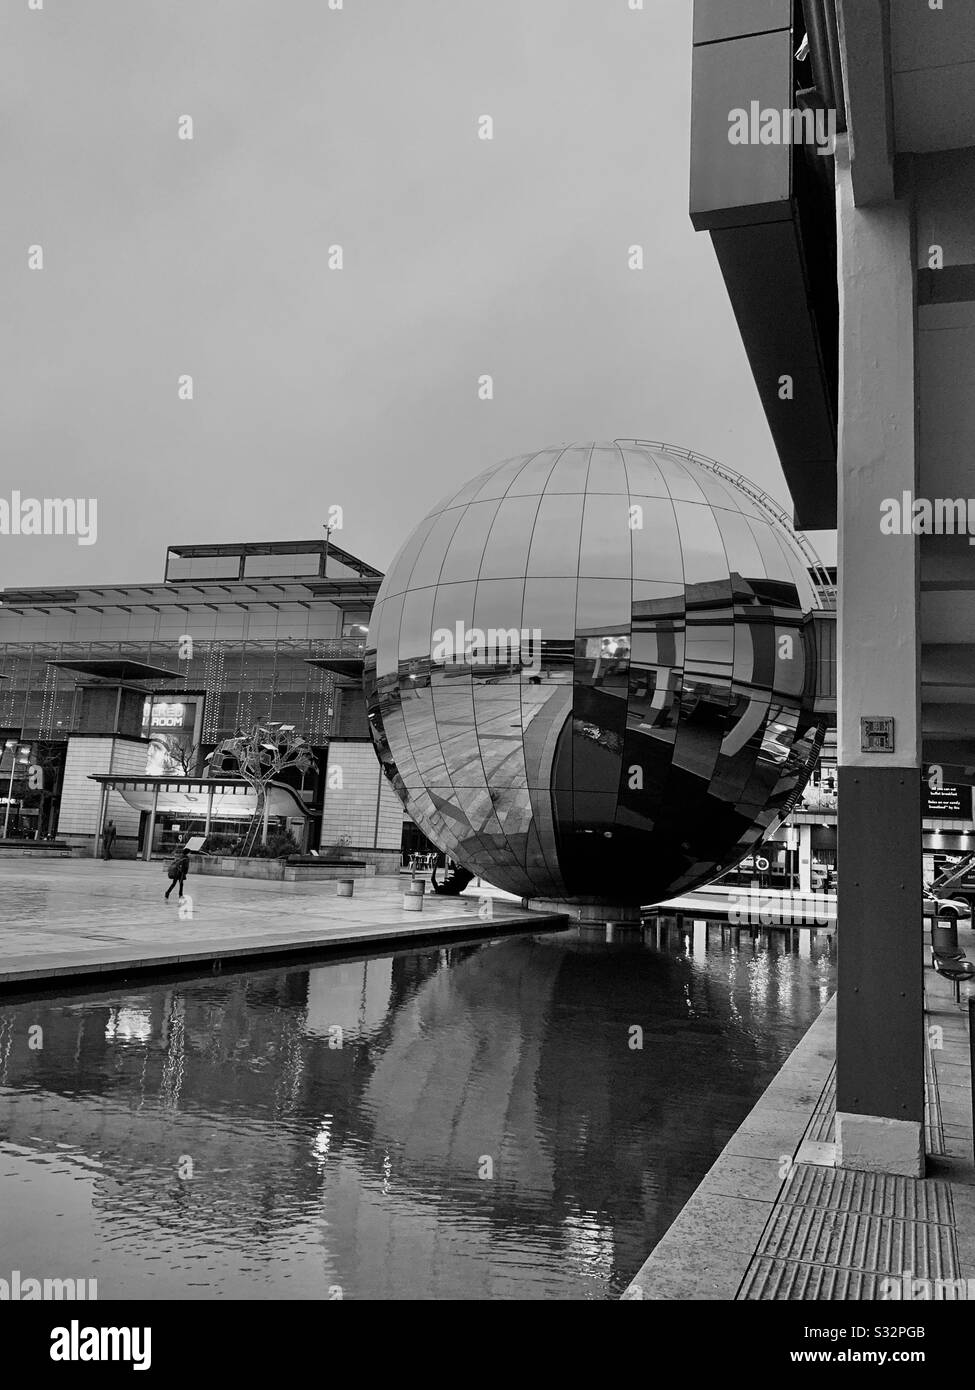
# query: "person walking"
109,835
178,868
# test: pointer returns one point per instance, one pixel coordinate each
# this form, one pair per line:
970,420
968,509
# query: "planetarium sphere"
589,673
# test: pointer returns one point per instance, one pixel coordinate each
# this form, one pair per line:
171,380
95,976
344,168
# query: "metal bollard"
344,887
412,902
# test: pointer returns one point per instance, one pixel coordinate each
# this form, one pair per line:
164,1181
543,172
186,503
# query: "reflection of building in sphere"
588,674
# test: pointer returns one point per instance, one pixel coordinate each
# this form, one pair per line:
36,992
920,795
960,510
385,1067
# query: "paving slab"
75,918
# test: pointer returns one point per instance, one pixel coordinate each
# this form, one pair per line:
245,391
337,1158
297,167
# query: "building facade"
147,679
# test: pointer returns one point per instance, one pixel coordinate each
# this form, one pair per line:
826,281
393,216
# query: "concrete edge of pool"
775,1219
707,1250
117,959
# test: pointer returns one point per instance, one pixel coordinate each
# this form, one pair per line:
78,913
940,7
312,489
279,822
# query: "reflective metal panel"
591,677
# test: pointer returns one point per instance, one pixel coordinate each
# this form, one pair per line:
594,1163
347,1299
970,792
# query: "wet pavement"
76,917
521,1118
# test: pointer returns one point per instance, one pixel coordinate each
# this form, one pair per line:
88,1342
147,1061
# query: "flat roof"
117,668
318,546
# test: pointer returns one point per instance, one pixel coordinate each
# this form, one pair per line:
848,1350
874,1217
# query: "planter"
40,849
278,870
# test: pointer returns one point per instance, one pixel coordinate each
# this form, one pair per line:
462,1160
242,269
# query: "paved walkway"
63,918
774,1219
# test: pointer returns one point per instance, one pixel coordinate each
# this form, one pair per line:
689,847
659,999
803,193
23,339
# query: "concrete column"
151,831
880,1023
102,810
805,859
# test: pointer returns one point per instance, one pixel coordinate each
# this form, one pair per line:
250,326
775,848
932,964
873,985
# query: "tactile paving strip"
836,1234
822,1126
934,1135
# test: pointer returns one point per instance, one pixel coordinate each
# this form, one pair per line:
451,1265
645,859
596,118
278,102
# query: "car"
947,909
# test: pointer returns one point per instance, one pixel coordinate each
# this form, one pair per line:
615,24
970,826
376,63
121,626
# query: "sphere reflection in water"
589,674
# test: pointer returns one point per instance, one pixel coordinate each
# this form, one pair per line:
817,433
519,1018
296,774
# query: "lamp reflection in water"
628,706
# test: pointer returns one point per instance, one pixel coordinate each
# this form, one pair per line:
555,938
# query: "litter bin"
344,887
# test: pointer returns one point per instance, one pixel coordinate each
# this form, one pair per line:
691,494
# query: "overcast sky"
314,387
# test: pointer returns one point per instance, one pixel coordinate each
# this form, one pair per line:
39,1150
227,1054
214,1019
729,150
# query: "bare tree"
261,754
181,755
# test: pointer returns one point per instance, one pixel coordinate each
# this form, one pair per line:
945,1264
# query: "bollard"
344,887
412,902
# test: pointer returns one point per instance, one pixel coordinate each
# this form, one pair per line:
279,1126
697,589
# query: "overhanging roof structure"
232,797
117,669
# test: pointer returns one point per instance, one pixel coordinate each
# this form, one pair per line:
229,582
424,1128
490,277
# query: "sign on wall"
946,801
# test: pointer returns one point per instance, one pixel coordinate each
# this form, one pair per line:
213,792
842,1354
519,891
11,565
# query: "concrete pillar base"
874,1144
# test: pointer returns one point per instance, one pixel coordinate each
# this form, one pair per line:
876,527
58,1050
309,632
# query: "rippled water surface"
473,1122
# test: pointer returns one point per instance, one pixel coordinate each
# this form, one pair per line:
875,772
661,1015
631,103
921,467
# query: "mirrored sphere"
590,673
